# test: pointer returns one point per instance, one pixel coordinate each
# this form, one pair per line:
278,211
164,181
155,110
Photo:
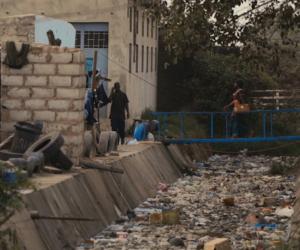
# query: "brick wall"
51,88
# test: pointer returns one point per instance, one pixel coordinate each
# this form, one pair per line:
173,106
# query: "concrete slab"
99,195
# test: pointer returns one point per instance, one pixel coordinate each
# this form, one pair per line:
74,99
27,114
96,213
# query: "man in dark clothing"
119,104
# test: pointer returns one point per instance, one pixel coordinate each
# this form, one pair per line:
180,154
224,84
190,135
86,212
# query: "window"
142,62
78,39
147,60
130,57
156,59
148,24
152,27
130,19
95,39
151,59
143,24
136,58
137,21
156,30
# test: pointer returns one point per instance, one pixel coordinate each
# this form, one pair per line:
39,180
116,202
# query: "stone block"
44,69
35,104
73,139
59,104
69,116
36,81
39,58
7,126
78,105
60,81
12,103
25,70
57,127
62,58
12,80
78,128
79,82
19,92
65,93
79,57
218,244
48,116
42,93
18,116
71,69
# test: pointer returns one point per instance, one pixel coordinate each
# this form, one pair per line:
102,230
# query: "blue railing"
218,126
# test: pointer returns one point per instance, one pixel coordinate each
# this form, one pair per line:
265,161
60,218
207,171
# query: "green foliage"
207,48
10,200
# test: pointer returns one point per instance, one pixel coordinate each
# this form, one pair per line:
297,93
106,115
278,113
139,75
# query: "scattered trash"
218,244
229,205
162,187
284,212
229,201
171,217
177,242
122,235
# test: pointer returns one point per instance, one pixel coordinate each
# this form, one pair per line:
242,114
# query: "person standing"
119,106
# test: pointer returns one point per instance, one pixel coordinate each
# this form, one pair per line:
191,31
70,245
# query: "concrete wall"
295,228
96,194
140,87
51,88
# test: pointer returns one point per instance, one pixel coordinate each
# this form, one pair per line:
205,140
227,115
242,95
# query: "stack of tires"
104,143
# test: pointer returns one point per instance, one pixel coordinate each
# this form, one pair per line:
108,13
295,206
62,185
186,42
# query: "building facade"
123,32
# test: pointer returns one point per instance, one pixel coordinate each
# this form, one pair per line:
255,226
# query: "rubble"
230,200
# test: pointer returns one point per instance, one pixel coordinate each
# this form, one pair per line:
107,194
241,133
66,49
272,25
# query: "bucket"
25,135
9,175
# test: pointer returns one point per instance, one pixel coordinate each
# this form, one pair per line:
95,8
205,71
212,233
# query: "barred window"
95,39
78,39
130,57
137,58
143,58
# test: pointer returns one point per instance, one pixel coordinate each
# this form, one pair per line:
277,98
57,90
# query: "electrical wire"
126,69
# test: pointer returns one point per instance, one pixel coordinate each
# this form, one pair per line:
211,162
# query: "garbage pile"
229,203
27,151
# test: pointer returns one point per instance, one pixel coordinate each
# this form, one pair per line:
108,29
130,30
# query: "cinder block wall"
51,88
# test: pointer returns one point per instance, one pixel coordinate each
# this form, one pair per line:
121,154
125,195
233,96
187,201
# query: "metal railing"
263,126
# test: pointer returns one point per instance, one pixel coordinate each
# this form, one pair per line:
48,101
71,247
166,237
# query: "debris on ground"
28,151
230,203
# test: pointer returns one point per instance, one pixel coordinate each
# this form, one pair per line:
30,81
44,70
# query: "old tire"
88,144
49,145
102,146
5,155
62,161
113,141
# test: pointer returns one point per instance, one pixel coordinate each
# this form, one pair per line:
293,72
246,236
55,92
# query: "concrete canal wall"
96,194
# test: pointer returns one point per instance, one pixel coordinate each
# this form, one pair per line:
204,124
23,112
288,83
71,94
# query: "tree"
205,34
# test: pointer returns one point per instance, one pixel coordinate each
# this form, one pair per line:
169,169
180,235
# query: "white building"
122,31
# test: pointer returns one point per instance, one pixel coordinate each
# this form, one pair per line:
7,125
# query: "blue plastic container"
9,176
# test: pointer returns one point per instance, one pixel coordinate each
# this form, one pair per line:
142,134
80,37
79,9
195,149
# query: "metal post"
226,126
165,124
182,132
212,125
159,126
264,124
271,123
